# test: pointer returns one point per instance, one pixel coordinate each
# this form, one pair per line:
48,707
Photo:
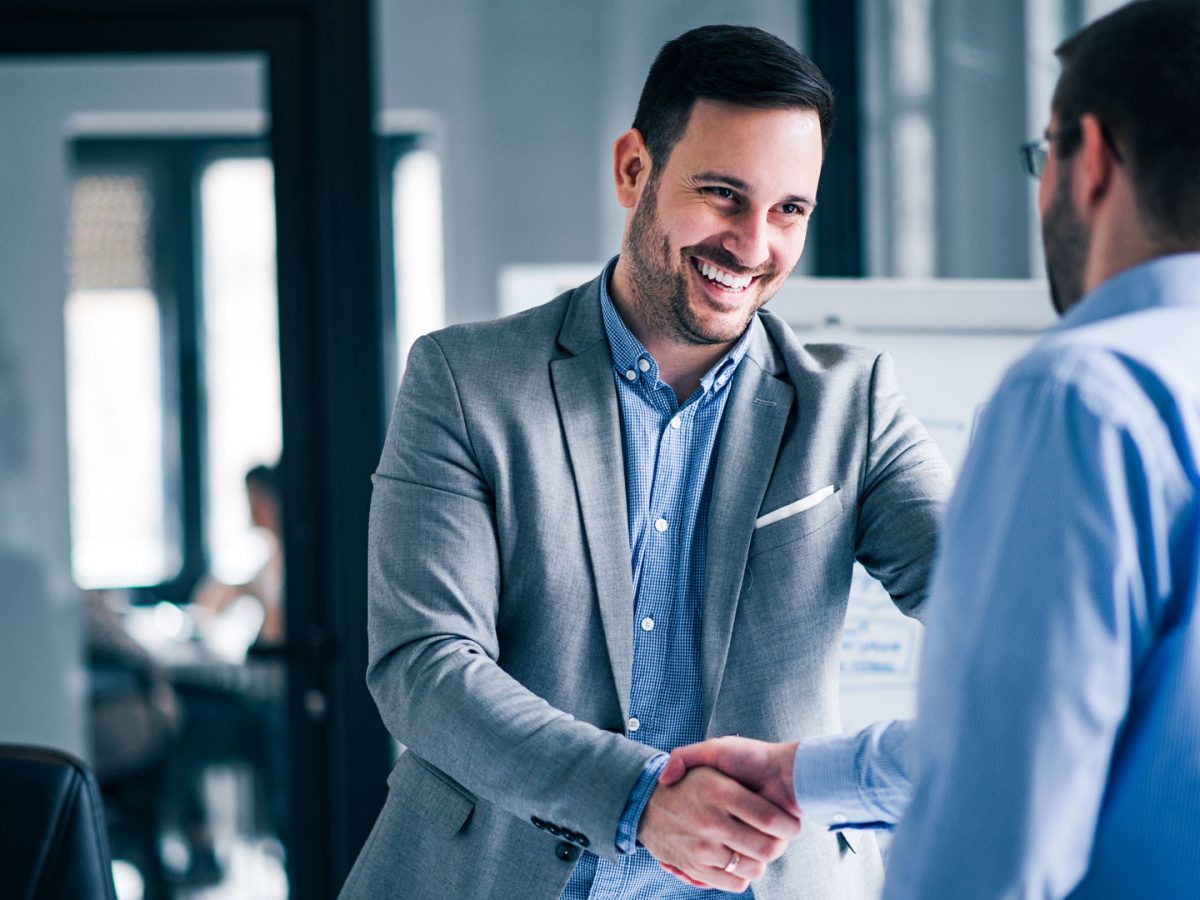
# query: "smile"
727,280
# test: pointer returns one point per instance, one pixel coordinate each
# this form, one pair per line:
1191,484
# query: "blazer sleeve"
434,593
905,485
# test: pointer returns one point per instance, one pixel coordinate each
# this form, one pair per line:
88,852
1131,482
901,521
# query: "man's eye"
793,209
721,193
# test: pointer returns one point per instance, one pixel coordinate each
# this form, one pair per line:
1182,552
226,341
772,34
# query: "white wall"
40,636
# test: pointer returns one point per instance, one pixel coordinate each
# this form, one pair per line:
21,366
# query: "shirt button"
838,818
660,525
676,423
644,365
647,624
634,724
630,375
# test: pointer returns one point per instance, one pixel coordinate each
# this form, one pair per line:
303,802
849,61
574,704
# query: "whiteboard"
951,340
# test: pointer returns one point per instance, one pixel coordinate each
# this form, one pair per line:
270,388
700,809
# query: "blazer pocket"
795,507
795,520
430,796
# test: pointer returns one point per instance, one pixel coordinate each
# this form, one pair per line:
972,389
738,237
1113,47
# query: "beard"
1065,240
659,284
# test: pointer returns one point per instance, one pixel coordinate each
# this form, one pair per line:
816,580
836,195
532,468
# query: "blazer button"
567,852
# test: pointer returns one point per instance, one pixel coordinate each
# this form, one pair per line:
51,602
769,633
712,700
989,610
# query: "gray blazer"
501,601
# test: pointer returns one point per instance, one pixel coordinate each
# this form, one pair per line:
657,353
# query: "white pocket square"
798,506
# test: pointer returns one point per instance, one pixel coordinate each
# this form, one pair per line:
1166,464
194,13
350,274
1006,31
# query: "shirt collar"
1163,281
630,356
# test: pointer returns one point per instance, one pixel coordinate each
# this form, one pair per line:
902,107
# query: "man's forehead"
776,150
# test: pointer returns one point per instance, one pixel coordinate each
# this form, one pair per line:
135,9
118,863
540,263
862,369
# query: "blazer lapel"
587,406
747,447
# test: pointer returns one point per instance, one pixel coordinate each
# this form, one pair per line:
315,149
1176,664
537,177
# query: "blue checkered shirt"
668,448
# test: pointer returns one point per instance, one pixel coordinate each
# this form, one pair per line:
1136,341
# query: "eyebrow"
740,185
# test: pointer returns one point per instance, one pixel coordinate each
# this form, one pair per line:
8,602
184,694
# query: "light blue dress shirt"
668,447
1057,748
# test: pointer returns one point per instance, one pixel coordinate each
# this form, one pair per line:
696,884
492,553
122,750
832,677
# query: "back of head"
1137,70
265,479
735,64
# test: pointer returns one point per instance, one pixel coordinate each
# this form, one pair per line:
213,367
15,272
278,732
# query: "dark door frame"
320,106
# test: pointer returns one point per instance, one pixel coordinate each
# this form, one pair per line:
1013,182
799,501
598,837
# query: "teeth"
733,282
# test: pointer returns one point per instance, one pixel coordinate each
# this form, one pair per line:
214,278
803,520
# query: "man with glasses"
1057,748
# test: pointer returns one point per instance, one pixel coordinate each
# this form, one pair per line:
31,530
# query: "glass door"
142,547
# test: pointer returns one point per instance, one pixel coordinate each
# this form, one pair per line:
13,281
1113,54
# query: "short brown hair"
1137,70
731,63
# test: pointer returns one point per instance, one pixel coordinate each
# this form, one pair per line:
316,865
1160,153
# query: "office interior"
217,244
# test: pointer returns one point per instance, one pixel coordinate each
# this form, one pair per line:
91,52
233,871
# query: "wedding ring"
733,863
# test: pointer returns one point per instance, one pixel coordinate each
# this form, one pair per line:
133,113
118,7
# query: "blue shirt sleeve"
857,780
627,825
1037,615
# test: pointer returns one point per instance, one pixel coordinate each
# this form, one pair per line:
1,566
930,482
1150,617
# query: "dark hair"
1137,70
265,479
735,64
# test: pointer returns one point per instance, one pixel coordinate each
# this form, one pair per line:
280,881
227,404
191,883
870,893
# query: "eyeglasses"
1035,153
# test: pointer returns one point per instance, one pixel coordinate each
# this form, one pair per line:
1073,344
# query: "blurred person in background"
262,493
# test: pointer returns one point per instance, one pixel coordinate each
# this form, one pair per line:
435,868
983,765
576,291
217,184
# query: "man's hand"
696,824
763,767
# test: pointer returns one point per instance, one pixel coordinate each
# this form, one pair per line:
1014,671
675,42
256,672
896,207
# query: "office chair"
53,842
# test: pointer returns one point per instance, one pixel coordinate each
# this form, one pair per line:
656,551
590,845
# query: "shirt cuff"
627,826
856,780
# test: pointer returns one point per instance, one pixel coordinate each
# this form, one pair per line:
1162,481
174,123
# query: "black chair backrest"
53,842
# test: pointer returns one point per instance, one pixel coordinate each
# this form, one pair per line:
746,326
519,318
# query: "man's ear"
631,167
1094,164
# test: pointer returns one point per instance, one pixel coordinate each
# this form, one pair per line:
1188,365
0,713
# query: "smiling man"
626,520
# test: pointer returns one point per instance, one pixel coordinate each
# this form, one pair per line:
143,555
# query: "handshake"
721,811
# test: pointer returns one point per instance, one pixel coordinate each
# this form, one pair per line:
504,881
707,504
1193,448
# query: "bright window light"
241,347
124,532
417,226
114,405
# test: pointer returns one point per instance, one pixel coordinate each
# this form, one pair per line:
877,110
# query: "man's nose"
748,240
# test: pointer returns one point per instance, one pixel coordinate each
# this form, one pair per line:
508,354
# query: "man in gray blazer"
626,520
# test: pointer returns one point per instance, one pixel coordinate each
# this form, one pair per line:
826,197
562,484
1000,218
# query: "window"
413,260
173,345
173,360
417,250
241,351
124,530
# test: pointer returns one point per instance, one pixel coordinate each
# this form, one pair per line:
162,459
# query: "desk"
197,649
